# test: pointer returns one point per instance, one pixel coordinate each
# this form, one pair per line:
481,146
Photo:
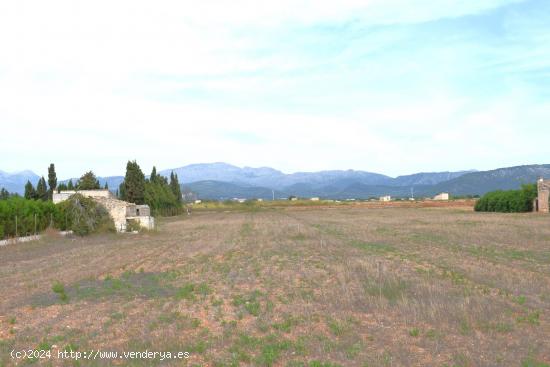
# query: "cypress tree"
175,186
30,192
52,180
42,189
153,177
70,185
134,183
106,186
121,192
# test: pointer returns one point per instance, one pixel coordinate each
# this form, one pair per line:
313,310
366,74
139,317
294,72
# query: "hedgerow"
511,201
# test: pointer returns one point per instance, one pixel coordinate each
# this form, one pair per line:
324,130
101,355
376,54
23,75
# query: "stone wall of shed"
543,187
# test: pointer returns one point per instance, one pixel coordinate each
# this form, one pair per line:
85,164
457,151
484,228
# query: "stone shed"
541,203
121,211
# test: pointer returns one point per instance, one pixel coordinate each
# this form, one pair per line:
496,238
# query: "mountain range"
224,181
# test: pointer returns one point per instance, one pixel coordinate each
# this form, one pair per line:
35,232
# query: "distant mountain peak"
350,183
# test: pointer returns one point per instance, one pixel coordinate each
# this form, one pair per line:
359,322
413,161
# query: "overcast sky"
390,86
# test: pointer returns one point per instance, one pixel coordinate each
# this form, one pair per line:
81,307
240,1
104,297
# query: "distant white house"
198,201
260,199
385,198
314,199
442,196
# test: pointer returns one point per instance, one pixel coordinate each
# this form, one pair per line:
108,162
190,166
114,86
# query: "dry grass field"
316,287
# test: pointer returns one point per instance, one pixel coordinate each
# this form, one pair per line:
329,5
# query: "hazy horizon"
378,86
62,177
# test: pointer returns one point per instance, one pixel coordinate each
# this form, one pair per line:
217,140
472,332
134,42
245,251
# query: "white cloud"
162,81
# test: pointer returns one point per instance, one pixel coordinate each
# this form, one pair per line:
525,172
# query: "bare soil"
315,286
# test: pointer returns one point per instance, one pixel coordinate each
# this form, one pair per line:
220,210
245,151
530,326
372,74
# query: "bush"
83,216
512,201
133,225
26,211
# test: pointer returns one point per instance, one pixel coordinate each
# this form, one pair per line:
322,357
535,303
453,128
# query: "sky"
387,86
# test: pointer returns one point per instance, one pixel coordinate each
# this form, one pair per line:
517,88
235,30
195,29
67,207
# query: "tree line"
44,191
163,196
35,211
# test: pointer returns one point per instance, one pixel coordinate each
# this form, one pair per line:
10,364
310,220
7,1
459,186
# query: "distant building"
385,198
541,202
314,199
293,198
442,196
198,201
120,211
260,200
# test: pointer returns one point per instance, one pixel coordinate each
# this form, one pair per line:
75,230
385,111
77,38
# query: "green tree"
42,189
160,198
106,186
4,194
88,181
52,180
175,186
30,192
121,192
70,185
153,177
62,187
133,189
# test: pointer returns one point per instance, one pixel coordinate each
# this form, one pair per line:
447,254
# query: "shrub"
26,211
83,216
133,225
511,201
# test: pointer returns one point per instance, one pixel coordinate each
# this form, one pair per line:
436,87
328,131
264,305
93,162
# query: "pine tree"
88,181
70,185
42,189
175,186
52,180
106,186
134,183
30,192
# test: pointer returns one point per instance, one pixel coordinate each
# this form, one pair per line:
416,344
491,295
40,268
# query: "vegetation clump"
511,201
20,217
59,289
163,197
83,216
